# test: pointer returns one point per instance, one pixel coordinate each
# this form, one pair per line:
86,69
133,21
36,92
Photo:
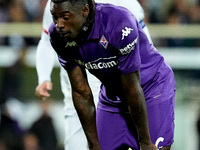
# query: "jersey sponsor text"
98,65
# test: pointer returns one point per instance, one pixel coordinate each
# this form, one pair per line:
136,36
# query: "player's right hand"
41,90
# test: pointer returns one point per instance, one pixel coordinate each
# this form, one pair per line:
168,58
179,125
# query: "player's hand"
41,90
148,147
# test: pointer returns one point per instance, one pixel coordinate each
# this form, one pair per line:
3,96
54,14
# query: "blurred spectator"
146,7
194,13
175,17
179,12
11,81
44,130
157,11
4,10
33,6
12,75
11,134
31,142
17,11
4,14
21,10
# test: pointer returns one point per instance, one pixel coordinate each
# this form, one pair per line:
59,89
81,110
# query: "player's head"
70,16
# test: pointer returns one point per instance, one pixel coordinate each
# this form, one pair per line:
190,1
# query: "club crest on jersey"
70,44
104,42
126,32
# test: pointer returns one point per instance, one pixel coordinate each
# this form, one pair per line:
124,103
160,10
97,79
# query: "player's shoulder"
114,16
113,19
112,11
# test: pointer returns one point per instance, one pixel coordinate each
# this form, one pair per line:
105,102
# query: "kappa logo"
104,42
70,44
126,32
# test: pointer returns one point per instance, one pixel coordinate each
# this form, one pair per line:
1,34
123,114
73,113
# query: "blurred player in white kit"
74,136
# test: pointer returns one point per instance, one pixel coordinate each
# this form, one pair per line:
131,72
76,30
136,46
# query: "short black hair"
71,1
78,3
91,4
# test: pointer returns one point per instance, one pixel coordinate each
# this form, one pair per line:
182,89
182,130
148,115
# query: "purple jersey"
117,45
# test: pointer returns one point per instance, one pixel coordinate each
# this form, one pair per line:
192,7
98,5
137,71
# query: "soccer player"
44,64
136,100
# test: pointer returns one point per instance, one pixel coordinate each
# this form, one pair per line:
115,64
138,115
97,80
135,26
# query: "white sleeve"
45,55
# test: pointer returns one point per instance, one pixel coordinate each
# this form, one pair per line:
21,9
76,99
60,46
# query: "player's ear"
85,10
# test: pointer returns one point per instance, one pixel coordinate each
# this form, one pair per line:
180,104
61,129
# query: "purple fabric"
117,45
117,130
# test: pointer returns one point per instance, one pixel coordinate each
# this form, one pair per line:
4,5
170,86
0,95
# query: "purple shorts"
116,130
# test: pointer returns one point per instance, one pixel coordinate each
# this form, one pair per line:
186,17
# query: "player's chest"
94,56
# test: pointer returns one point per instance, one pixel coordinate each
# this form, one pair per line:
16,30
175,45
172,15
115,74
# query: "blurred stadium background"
175,29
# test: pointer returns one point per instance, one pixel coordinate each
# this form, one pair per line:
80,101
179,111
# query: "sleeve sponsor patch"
129,47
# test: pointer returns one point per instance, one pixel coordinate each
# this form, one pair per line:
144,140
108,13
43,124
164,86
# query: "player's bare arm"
84,104
137,108
42,89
